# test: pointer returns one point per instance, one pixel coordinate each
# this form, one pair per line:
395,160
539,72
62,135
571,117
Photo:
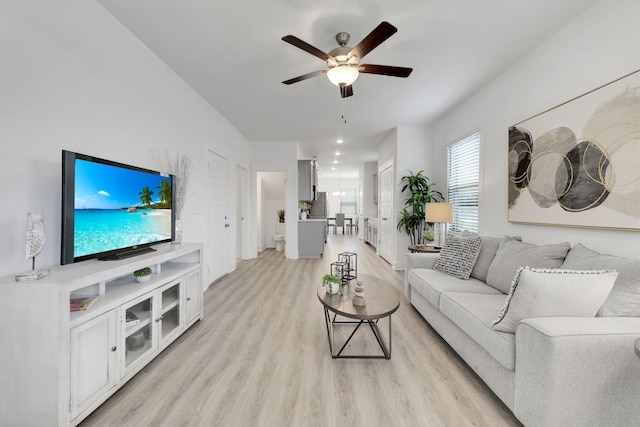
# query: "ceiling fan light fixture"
343,75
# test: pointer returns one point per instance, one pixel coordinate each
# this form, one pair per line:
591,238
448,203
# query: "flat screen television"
112,210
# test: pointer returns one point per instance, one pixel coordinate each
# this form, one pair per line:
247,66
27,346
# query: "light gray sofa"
553,371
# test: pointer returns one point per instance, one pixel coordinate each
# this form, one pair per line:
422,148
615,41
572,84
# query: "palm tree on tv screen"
165,192
145,196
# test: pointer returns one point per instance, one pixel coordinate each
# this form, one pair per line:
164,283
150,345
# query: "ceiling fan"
344,62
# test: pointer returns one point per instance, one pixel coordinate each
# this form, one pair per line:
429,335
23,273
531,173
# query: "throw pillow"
624,299
458,255
546,292
488,250
513,254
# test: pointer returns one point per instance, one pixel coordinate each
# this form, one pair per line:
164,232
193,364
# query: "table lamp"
440,214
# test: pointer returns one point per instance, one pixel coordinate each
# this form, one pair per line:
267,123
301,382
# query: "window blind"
463,182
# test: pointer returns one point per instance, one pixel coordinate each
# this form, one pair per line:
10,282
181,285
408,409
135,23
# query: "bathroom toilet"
279,236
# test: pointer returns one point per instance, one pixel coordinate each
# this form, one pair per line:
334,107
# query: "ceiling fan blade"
374,39
346,91
386,70
306,47
304,77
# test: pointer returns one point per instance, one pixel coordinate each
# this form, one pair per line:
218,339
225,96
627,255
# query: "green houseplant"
333,284
420,191
143,274
281,215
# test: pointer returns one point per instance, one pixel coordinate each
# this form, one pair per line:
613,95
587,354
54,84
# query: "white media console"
57,366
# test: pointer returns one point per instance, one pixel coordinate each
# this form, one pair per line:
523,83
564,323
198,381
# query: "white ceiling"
232,54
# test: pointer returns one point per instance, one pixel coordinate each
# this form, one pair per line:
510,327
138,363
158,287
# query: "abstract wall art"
578,164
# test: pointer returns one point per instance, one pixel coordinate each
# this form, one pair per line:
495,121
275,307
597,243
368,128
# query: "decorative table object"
350,260
142,275
338,269
35,243
358,298
332,284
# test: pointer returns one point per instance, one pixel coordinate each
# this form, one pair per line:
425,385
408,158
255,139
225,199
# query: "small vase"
142,279
177,237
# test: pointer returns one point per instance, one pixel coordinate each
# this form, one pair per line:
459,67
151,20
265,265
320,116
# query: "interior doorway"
271,194
217,242
385,213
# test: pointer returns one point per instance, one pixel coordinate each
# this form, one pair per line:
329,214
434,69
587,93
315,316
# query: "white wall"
599,46
276,156
74,78
410,149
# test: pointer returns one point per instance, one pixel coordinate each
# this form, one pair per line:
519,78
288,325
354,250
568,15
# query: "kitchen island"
311,237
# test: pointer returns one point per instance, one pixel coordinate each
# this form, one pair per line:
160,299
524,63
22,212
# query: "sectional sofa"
554,341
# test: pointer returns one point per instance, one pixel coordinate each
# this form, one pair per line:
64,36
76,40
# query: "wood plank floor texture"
260,357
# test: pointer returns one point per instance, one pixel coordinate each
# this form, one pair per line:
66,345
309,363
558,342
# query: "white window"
463,182
348,201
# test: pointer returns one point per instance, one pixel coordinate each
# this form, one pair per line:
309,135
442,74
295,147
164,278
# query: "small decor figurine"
358,298
35,244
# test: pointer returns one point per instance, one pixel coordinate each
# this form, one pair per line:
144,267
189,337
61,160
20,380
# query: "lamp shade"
438,212
343,75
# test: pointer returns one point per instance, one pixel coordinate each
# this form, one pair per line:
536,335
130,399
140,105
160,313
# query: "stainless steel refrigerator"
319,207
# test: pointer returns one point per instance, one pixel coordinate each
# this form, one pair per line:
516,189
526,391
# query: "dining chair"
339,222
354,224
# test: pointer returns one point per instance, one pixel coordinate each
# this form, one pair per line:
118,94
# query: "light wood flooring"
260,357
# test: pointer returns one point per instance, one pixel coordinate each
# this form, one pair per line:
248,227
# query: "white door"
385,214
217,251
241,210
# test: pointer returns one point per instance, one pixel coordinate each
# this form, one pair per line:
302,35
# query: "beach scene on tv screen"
118,208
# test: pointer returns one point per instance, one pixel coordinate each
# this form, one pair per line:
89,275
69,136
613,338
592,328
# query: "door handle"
227,226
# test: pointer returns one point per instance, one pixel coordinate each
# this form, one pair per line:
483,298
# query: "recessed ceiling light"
335,162
333,168
337,153
339,141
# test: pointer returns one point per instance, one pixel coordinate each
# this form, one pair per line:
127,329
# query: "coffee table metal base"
373,324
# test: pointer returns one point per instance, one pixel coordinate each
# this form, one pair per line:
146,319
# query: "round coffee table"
381,299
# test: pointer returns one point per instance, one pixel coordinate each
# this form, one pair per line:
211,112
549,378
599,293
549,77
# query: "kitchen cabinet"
311,238
371,231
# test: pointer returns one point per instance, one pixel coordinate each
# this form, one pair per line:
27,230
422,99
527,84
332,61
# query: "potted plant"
281,215
429,236
421,191
143,274
333,284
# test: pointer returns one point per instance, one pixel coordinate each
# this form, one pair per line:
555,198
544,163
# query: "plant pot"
332,287
141,279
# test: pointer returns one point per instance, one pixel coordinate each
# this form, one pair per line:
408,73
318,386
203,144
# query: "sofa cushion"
458,256
624,299
474,313
430,284
513,254
548,293
488,250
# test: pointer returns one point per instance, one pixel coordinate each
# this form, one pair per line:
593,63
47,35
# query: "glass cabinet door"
169,320
139,330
